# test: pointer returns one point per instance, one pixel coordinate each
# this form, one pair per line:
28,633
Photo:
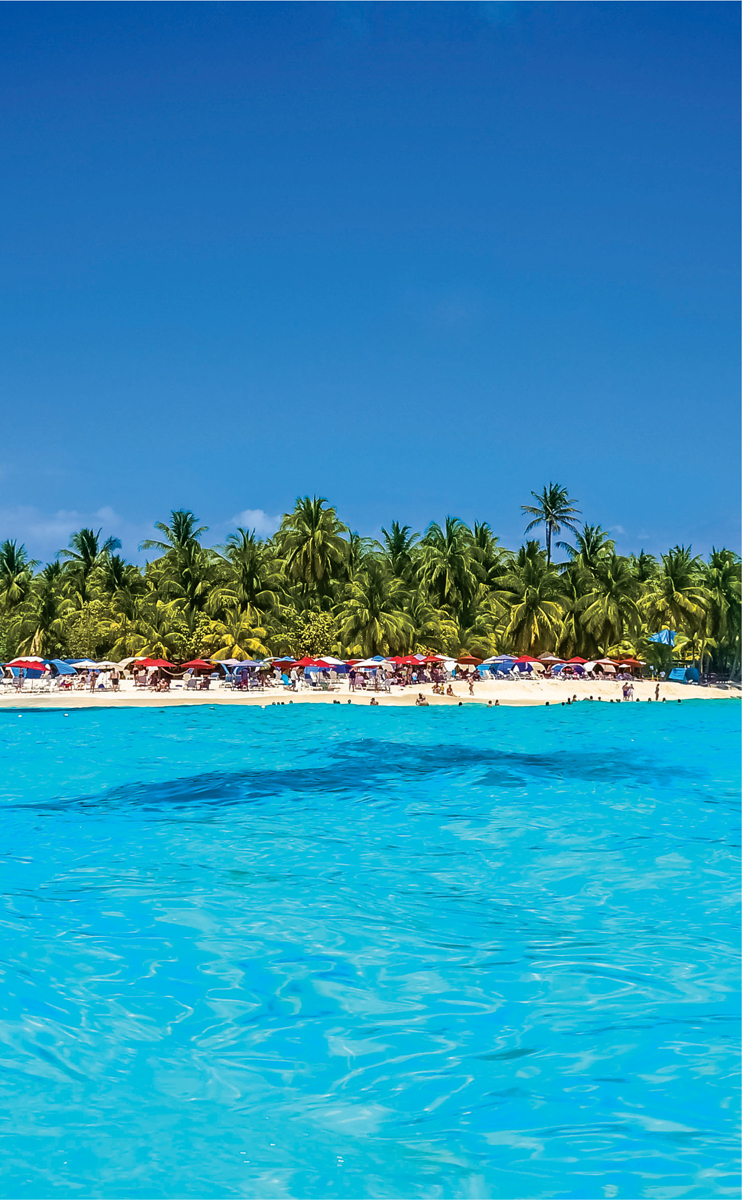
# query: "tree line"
316,587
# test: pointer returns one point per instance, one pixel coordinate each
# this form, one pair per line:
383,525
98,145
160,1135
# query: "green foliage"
315,588
88,630
311,634
8,638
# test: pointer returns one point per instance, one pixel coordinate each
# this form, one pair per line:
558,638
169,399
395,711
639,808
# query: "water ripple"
290,953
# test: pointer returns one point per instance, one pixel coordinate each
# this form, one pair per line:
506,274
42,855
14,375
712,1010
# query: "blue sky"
417,258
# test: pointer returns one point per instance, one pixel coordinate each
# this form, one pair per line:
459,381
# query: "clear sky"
417,258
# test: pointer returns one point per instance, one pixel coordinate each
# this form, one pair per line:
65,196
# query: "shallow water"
343,951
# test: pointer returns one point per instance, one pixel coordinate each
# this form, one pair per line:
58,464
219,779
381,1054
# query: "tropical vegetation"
317,587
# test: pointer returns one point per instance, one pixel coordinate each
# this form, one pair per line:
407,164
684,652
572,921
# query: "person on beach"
471,685
450,691
420,700
115,679
657,691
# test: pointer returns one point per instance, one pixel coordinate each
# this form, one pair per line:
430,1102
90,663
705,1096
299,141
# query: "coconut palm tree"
675,597
592,546
488,553
399,547
450,568
251,582
16,575
555,510
40,625
644,566
312,542
532,596
608,610
183,533
372,618
723,597
86,553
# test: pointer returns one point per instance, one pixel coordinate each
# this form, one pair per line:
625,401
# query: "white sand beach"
505,692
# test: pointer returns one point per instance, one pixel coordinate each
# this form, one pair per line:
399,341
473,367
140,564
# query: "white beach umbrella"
84,664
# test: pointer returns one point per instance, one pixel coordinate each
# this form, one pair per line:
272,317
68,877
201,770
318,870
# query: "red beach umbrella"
469,660
306,662
29,664
582,661
157,662
197,664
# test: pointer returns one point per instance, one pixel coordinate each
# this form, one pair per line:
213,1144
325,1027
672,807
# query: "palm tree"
450,569
399,545
555,510
360,549
16,574
372,618
608,610
488,553
312,542
533,597
84,556
183,532
252,581
644,566
723,596
592,545
41,628
675,597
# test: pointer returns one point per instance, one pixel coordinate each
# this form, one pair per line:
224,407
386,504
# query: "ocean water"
346,951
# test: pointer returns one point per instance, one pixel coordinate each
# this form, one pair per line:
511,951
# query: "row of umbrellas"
326,662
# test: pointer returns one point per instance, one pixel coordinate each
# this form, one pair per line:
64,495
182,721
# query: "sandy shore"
512,693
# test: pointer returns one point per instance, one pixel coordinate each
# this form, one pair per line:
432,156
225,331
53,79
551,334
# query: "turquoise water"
344,951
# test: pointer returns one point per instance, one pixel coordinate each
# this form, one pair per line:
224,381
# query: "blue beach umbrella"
61,667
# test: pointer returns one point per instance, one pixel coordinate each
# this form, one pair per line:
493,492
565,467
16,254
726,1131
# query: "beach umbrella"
157,662
61,667
331,661
527,658
549,658
106,665
84,664
469,660
33,663
306,662
581,661
197,664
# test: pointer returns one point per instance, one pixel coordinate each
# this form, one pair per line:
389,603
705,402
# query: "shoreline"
509,694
